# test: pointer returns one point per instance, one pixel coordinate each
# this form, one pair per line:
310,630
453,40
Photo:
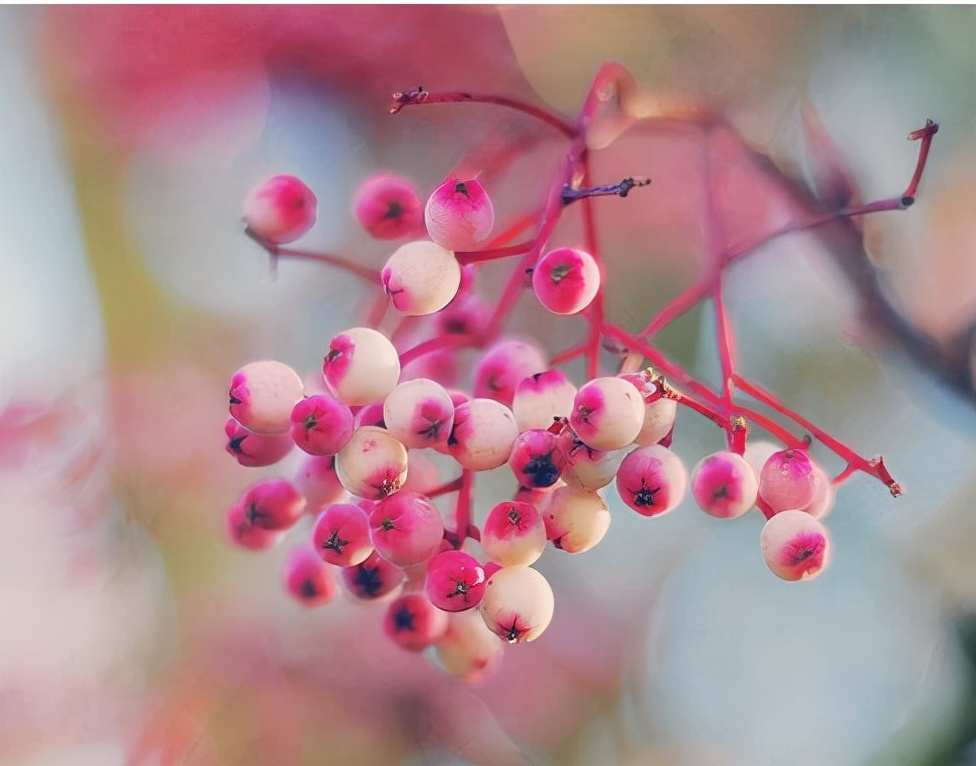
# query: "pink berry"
455,581
787,480
566,280
607,413
536,459
406,528
576,520
795,546
414,623
724,485
341,535
309,580
272,504
372,464
244,534
469,649
262,395
361,366
316,480
503,367
518,604
421,278
541,398
420,414
388,207
369,415
466,315
321,425
483,434
280,210
513,534
652,480
373,579
252,450
459,215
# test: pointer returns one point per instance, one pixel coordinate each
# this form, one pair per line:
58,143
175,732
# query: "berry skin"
660,412
361,366
420,414
280,210
341,535
316,480
252,450
823,494
518,604
373,579
421,278
541,398
536,459
795,546
455,581
459,215
607,413
566,280
373,464
652,480
576,520
321,425
587,468
406,528
468,649
244,534
262,395
369,415
787,480
413,623
309,580
513,534
483,434
388,207
272,504
724,485
503,367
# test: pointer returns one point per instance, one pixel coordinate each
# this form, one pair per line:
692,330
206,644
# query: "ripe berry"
361,367
262,395
420,414
406,528
503,367
459,215
309,580
795,546
373,464
455,581
272,504
787,480
587,468
244,534
576,520
372,579
566,280
724,485
513,534
252,450
280,210
321,425
541,398
341,535
518,604
388,207
483,434
607,413
421,278
414,623
536,459
652,480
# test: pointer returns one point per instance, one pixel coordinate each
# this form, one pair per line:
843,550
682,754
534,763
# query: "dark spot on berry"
460,589
645,496
388,525
234,445
394,210
368,580
335,543
234,399
514,634
403,619
514,517
254,513
558,273
310,422
461,188
433,431
308,589
542,471
333,355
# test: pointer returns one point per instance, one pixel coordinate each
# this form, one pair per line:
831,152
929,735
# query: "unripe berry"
483,434
787,480
321,425
518,604
316,479
587,468
388,207
372,579
309,580
823,494
421,278
253,450
513,534
724,485
373,464
341,535
469,649
280,210
459,215
272,504
414,623
420,414
660,412
652,480
406,528
502,368
536,459
566,280
576,520
607,413
455,581
541,398
262,395
361,367
795,546
244,534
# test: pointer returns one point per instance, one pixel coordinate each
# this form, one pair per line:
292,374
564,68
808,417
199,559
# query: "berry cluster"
368,428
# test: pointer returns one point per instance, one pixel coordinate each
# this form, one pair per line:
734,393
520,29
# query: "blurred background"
131,632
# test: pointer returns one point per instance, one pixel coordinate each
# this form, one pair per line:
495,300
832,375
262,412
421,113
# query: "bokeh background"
132,633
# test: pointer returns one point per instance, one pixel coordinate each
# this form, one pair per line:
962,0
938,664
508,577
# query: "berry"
541,398
280,210
373,579
724,485
513,534
420,414
504,366
252,450
576,520
316,480
262,395
469,649
341,535
795,546
566,280
361,367
414,623
459,215
321,425
244,534
536,459
272,504
660,412
587,468
421,278
455,581
787,480
309,580
518,604
369,415
373,464
652,480
607,413
483,434
406,528
388,207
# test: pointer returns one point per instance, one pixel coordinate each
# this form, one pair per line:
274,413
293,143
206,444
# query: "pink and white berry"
824,494
504,366
587,468
414,623
724,485
373,464
309,580
316,480
272,504
652,480
459,215
406,528
262,396
469,649
388,207
536,458
280,210
321,425
795,546
513,534
361,367
254,451
243,533
483,434
341,535
542,398
787,480
660,412
518,604
373,579
419,413
566,280
421,278
607,413
455,581
576,520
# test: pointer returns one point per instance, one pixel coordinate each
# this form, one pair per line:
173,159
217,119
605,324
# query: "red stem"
370,275
464,257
